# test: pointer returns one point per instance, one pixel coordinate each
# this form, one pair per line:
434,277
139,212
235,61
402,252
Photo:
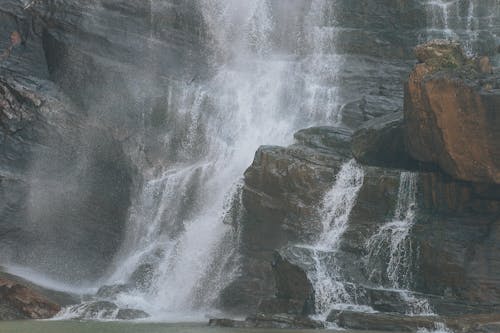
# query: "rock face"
282,197
294,292
282,188
452,239
269,321
71,144
104,310
381,321
398,323
65,179
451,120
451,114
17,301
459,220
51,154
380,142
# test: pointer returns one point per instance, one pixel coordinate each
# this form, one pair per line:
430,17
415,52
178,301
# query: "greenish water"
127,327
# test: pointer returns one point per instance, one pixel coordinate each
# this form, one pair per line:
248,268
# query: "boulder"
451,114
102,310
131,314
18,301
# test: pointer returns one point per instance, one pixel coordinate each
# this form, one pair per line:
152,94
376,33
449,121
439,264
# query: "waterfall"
391,242
181,240
331,291
473,22
394,234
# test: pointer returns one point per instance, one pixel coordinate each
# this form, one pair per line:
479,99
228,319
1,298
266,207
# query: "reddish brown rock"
452,115
20,302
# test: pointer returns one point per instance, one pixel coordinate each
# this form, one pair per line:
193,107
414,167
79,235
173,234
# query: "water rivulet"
143,163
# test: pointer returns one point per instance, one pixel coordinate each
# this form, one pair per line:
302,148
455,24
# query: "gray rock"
269,321
381,142
130,314
101,309
381,321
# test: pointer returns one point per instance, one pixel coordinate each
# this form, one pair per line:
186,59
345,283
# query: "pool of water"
127,327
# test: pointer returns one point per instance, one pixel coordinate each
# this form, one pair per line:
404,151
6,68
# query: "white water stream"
329,286
391,242
464,20
182,234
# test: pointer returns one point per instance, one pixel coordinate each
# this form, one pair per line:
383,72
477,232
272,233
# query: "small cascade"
331,290
181,242
473,22
440,328
391,242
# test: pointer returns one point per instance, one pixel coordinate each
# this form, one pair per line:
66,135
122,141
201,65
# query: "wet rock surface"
102,310
454,265
294,291
42,111
282,196
53,157
451,114
381,142
392,322
381,321
19,301
269,321
282,188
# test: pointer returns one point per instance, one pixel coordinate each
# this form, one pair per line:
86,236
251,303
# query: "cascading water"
330,288
392,241
395,234
180,247
472,22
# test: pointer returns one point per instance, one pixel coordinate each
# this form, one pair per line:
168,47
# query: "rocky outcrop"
399,323
451,113
452,240
104,310
282,197
269,321
450,119
282,189
381,321
454,235
17,301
